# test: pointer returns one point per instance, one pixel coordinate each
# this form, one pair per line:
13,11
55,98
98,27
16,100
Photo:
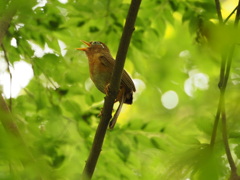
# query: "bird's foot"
100,114
106,90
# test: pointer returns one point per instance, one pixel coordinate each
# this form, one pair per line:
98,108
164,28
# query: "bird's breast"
99,73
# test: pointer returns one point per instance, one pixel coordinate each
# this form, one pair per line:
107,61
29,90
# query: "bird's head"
94,47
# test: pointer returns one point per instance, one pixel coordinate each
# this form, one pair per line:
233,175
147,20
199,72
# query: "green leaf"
124,149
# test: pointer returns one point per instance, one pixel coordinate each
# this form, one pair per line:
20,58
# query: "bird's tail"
114,119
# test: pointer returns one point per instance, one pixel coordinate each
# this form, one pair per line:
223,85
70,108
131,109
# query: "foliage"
174,45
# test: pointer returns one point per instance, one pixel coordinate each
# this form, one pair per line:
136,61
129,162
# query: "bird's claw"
107,89
100,114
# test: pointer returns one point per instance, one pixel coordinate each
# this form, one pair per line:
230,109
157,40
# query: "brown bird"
101,64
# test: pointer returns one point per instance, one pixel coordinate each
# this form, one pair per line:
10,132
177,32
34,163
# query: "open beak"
84,49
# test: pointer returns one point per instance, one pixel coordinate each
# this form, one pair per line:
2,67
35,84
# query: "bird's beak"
84,49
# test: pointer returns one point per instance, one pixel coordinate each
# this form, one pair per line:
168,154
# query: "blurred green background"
174,58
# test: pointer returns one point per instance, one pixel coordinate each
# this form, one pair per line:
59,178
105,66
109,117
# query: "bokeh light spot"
170,99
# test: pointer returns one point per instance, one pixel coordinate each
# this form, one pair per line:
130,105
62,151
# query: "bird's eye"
96,43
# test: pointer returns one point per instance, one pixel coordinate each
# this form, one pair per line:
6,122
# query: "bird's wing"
126,79
107,60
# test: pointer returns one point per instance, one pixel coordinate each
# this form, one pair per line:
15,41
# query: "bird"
101,64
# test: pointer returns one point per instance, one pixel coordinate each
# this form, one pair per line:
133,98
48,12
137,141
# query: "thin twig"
216,121
228,68
226,63
221,80
234,175
10,74
222,70
47,77
218,8
221,111
224,119
237,15
225,141
221,107
113,89
225,21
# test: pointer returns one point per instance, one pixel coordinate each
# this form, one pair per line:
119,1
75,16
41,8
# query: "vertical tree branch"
5,21
7,120
113,90
10,74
